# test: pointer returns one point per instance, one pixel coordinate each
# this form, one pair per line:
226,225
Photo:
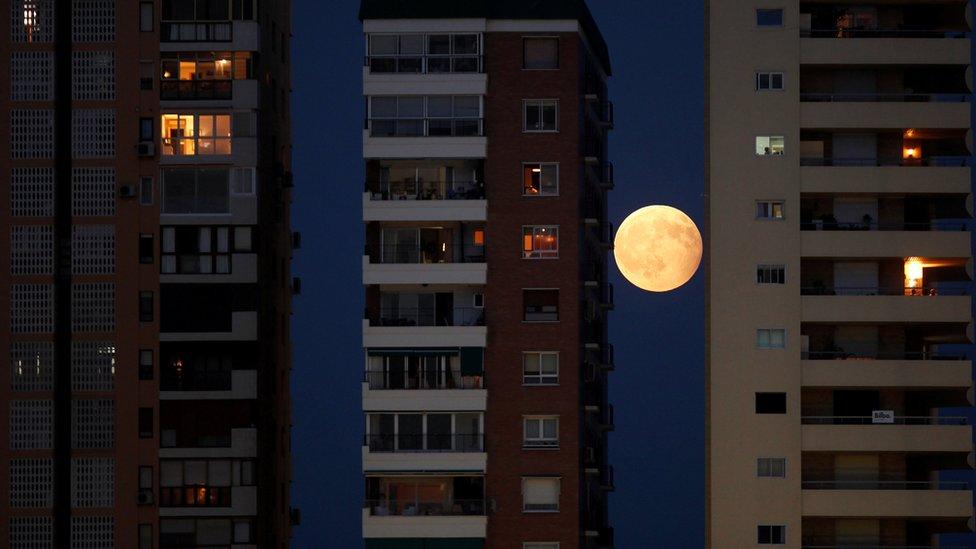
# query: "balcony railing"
882,33
426,127
195,496
425,443
397,254
451,380
425,190
886,97
933,225
426,64
457,316
882,485
838,354
879,290
196,31
453,508
189,380
173,439
897,420
175,90
931,161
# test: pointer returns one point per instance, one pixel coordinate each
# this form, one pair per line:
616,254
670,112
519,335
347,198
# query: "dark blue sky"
657,390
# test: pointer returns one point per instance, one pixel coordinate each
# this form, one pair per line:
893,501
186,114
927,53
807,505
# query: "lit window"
540,432
200,134
540,494
772,535
540,115
479,237
771,274
769,209
540,179
774,338
771,467
540,368
769,81
540,242
769,17
770,145
540,53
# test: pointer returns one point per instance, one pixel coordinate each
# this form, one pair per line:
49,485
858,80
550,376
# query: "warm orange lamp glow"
479,237
914,273
913,152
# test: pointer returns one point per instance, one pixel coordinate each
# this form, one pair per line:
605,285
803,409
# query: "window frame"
534,253
540,377
770,460
197,172
770,137
762,268
169,144
782,18
559,491
527,38
541,442
770,75
147,315
541,166
770,331
541,104
151,17
771,204
524,290
772,530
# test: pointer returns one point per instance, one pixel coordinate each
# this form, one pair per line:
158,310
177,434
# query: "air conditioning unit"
127,191
146,148
145,497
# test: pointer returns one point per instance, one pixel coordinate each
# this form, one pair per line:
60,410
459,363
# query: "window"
202,75
146,307
771,338
478,301
771,467
196,134
771,274
146,75
769,209
540,53
145,17
145,536
540,305
145,478
145,191
540,432
146,248
540,115
145,364
540,494
540,242
418,53
769,17
242,181
772,535
770,403
242,531
145,129
196,191
202,250
770,145
769,81
146,423
540,179
540,368
418,116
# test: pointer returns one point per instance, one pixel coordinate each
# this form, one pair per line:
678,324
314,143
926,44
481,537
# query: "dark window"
146,477
204,307
146,423
145,191
145,307
146,248
540,53
540,115
145,536
772,535
770,403
540,305
146,129
145,364
769,18
771,274
188,249
196,191
146,16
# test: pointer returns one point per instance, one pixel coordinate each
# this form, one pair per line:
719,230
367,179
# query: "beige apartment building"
839,265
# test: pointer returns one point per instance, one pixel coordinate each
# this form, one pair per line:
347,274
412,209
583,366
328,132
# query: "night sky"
658,386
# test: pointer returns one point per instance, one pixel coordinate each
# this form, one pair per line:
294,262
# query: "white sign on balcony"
883,416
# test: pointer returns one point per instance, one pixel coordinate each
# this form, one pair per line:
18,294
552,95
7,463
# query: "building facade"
485,273
839,270
144,245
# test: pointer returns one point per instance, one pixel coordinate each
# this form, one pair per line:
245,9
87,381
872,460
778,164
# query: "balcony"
208,501
881,308
895,502
834,370
443,258
871,111
401,506
219,385
822,175
242,94
445,452
456,390
202,35
952,242
833,434
240,442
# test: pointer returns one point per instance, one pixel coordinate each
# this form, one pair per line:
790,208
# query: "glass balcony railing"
897,420
405,317
451,380
829,223
882,485
962,289
405,254
838,354
880,161
429,508
426,127
196,31
461,63
195,496
435,443
881,32
426,190
174,90
905,97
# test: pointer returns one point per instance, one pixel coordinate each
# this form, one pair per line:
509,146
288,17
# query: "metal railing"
425,64
886,291
933,225
838,354
882,485
170,90
425,443
456,316
882,33
196,31
456,507
189,380
400,254
425,190
906,97
931,161
451,379
195,496
426,127
897,420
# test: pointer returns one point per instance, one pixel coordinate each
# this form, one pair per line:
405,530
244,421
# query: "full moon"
658,248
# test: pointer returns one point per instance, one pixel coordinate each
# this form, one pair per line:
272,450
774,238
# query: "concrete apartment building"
485,273
838,270
144,246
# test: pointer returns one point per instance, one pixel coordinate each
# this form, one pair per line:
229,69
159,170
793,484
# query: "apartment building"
839,270
144,246
485,273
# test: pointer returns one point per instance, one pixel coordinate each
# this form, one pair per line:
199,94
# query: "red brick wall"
508,274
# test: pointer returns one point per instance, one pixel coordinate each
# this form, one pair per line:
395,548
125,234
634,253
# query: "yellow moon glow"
658,248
